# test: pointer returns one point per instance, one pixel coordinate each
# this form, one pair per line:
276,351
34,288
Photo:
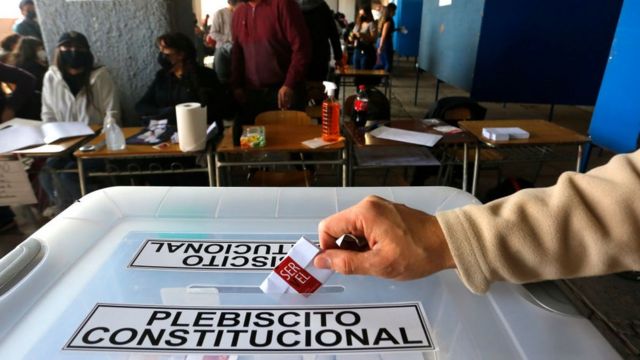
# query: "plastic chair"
452,110
456,108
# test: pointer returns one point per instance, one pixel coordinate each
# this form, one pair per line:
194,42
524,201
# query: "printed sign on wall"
210,255
252,330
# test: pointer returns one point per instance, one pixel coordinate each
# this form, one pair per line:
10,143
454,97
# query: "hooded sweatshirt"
59,104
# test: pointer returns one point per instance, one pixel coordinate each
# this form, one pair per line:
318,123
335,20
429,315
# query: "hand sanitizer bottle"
113,133
330,114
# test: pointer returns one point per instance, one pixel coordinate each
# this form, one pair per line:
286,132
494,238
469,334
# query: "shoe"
51,212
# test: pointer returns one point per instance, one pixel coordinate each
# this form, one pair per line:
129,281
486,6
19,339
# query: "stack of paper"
504,133
20,133
412,137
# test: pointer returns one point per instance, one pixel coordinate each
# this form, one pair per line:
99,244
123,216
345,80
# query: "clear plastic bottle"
360,107
114,136
330,114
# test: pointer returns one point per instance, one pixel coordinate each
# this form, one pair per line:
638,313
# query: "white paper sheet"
54,131
15,188
14,137
317,142
20,133
412,137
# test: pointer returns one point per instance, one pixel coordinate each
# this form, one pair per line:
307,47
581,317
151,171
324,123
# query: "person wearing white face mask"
29,55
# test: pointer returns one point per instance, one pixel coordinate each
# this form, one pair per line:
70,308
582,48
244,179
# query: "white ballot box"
174,273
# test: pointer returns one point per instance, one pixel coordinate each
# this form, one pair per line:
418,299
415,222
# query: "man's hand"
285,97
404,243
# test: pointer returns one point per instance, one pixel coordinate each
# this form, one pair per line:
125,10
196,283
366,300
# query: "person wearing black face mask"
181,79
74,89
28,25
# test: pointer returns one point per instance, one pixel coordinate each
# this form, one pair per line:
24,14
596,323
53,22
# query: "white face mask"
42,56
376,14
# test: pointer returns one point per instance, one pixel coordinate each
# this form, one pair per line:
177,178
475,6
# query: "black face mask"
164,61
76,59
363,19
31,15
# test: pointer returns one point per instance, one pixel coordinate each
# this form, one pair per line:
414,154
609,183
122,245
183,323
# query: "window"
9,9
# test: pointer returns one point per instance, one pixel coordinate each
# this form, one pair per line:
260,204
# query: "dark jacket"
25,85
323,31
166,91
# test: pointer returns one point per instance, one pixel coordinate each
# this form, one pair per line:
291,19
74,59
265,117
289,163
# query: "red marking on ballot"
296,276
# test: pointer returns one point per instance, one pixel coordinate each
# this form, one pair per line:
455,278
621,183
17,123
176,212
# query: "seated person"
180,79
7,45
30,56
74,89
23,88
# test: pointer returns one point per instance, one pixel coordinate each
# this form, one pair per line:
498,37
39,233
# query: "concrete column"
121,34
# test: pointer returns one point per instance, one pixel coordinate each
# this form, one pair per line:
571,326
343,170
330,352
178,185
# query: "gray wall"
122,36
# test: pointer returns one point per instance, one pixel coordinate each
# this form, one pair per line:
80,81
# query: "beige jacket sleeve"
586,224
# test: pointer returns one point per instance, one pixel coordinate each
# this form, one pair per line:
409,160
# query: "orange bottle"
330,114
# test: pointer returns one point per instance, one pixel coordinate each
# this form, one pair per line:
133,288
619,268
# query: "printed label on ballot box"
208,255
254,330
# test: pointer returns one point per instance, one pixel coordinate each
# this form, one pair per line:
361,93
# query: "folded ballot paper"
296,273
504,133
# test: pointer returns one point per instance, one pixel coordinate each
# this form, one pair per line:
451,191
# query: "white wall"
208,7
347,7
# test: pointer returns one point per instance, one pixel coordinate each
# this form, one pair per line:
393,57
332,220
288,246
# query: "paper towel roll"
192,126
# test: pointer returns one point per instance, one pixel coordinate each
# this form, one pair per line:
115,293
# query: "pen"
6,127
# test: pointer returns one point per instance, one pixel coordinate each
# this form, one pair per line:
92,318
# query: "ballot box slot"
327,289
19,263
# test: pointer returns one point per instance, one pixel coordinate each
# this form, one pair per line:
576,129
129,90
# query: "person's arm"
47,113
334,37
25,85
147,106
383,37
586,224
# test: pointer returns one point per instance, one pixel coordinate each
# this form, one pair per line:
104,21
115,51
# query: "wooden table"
541,132
351,73
280,138
359,138
138,151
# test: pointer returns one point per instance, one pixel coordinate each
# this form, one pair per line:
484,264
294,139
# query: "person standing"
386,28
221,33
318,16
364,36
28,25
271,52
